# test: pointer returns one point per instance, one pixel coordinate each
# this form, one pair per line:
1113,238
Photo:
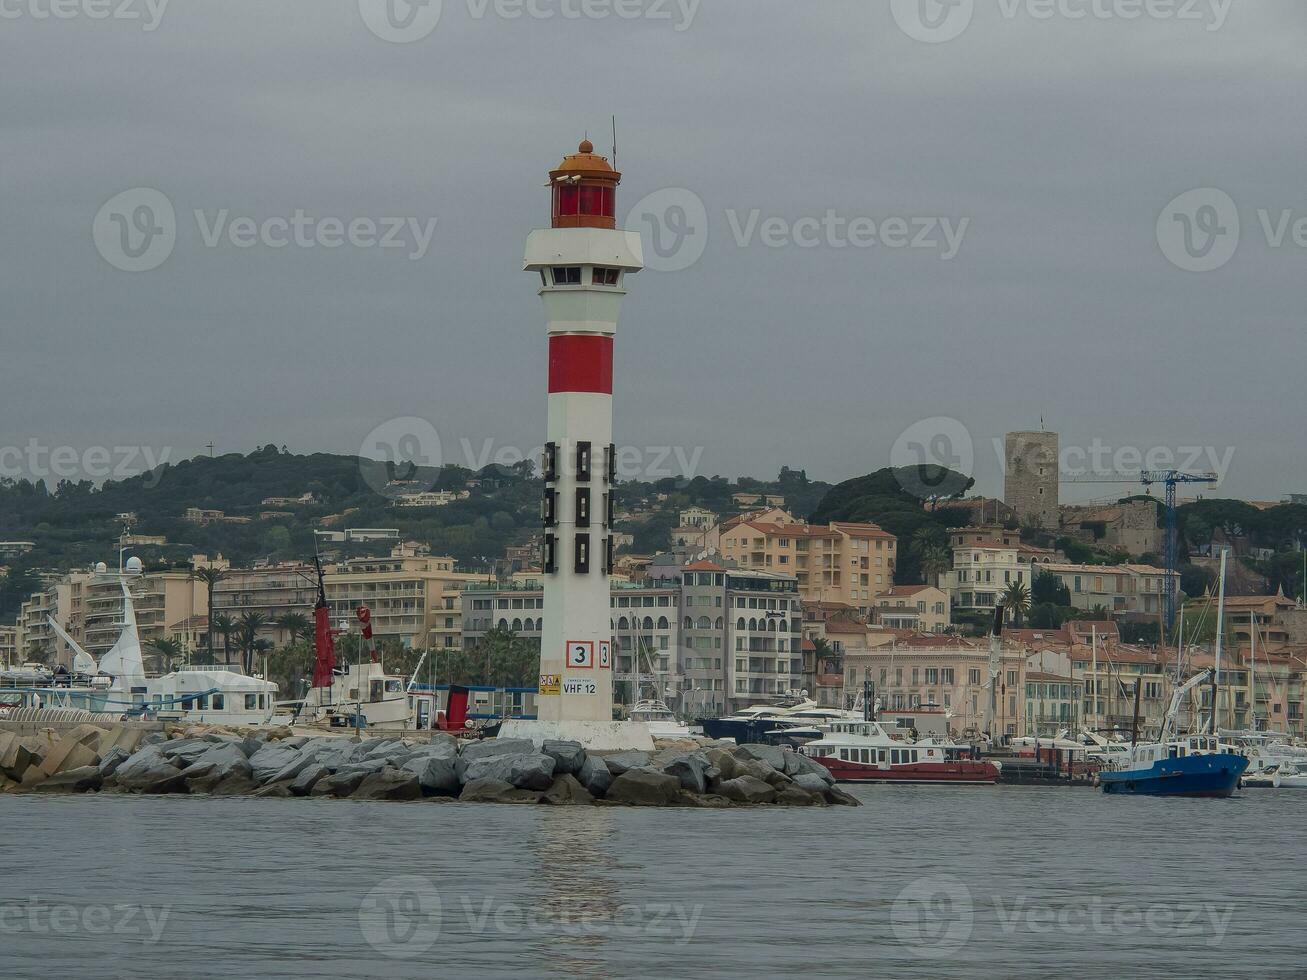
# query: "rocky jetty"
436,766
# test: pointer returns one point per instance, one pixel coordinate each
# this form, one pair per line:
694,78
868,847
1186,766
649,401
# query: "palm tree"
296,625
247,630
925,537
165,652
210,576
935,561
225,627
1016,600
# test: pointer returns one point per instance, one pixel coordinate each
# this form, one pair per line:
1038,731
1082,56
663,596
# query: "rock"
692,769
568,757
251,744
437,775
795,796
16,756
277,791
338,784
497,791
145,769
770,754
111,760
723,761
75,750
756,768
441,745
706,802
638,787
388,784
388,751
490,748
521,771
810,783
806,766
838,796
269,761
620,762
202,785
80,780
119,737
595,777
185,751
221,760
365,766
567,791
747,789
333,752
235,784
154,738
303,784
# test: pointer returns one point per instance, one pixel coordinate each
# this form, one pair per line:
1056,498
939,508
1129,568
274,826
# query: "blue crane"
1169,479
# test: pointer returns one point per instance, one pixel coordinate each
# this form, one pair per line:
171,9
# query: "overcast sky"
1050,146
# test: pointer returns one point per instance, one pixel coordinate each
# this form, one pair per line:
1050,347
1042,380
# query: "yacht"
864,752
660,719
1281,775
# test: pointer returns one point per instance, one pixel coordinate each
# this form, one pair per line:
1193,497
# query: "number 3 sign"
580,654
605,655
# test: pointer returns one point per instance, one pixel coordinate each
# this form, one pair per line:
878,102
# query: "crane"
1169,479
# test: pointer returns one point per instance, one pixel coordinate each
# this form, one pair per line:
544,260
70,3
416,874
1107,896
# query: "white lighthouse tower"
583,261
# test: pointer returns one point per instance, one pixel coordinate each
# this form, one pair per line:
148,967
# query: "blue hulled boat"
1193,766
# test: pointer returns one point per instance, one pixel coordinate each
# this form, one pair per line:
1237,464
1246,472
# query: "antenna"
614,142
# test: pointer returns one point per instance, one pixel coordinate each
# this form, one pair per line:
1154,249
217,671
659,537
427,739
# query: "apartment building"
8,647
920,608
1119,588
986,561
840,562
273,591
411,596
161,599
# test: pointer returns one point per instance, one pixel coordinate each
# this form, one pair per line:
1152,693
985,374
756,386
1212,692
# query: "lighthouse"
583,261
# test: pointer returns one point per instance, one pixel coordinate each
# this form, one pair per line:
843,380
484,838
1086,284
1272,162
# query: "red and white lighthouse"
583,261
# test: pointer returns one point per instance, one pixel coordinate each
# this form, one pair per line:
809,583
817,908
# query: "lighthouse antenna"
614,142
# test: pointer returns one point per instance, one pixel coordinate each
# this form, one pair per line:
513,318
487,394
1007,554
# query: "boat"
748,725
660,719
1278,776
864,752
1193,765
117,685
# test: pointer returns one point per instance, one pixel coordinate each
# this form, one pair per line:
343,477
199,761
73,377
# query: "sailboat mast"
1220,630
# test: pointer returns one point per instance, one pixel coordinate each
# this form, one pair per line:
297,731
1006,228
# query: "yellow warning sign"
550,684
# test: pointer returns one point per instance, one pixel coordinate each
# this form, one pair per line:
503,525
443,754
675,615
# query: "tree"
1016,601
1048,589
296,625
935,561
165,653
225,626
210,576
247,633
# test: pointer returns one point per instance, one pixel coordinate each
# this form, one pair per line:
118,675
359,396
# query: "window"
973,675
251,702
567,275
219,702
550,554
549,464
606,277
583,507
548,508
582,555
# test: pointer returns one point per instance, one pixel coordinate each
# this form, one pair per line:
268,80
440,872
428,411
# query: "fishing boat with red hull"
864,752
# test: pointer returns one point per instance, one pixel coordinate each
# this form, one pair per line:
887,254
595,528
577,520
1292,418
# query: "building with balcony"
987,560
839,562
920,608
1118,588
8,647
411,596
273,591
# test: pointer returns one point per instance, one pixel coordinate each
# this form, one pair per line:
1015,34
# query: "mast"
1093,640
1220,629
995,666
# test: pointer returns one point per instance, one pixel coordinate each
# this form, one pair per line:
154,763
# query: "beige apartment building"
413,598
921,608
273,591
8,647
161,599
986,561
1119,588
840,562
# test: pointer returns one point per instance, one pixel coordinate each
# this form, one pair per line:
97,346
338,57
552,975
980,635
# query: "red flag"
325,647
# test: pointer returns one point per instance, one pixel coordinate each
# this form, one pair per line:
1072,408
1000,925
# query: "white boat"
660,719
117,683
363,695
1278,776
864,752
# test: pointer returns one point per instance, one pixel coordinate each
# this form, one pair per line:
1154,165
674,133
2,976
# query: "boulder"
497,791
388,751
723,761
441,745
235,784
277,791
333,752
146,769
438,776
222,760
251,744
388,784
811,767
490,748
811,783
81,780
16,756
154,738
186,750
303,784
269,761
111,760
773,755
75,750
756,768
568,756
692,769
620,762
339,784
795,796
638,787
838,796
119,737
747,789
567,791
534,772
594,776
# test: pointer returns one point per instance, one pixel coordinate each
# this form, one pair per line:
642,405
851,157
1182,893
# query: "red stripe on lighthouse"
581,363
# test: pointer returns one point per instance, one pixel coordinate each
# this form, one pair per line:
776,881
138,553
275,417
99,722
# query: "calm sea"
920,882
